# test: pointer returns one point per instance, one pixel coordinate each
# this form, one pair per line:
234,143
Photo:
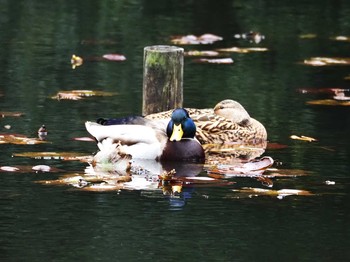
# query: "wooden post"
162,78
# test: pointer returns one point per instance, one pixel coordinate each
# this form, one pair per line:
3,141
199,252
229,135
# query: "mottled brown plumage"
227,122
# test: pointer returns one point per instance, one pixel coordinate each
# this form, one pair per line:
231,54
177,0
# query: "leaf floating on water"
308,36
243,50
341,38
322,90
329,102
11,114
326,61
201,53
84,139
250,169
196,40
303,138
250,192
9,168
20,140
251,36
215,61
79,94
76,61
51,155
114,57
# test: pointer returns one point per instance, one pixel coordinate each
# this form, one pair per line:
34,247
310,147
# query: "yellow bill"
177,133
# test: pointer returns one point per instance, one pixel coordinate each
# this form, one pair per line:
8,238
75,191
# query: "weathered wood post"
162,78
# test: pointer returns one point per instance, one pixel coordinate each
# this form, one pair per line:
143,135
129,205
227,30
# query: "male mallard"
147,139
227,122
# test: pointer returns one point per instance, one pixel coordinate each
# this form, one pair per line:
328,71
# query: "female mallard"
227,122
147,139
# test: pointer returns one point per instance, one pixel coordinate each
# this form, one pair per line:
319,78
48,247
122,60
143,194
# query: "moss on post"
162,78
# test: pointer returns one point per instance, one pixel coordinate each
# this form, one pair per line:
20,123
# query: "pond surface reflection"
209,223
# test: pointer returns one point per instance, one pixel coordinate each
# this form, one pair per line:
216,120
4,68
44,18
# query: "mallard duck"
227,122
147,139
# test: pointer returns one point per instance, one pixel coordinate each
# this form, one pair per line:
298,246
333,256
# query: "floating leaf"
341,38
215,61
201,53
329,182
243,50
9,168
329,102
19,140
11,114
250,169
29,169
195,40
76,61
327,61
322,90
307,36
253,37
52,155
84,139
303,138
114,57
249,192
79,94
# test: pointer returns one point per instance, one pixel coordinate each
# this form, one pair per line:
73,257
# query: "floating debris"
76,61
9,168
326,61
280,194
7,127
252,37
79,94
195,40
329,182
341,38
243,50
215,61
303,138
10,114
308,36
114,57
19,140
329,102
202,53
54,155
322,90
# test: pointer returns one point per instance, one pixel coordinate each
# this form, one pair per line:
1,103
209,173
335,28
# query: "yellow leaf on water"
79,94
326,61
51,155
243,50
76,61
20,140
303,138
329,102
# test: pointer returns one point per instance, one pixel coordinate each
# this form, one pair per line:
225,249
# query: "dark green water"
48,223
